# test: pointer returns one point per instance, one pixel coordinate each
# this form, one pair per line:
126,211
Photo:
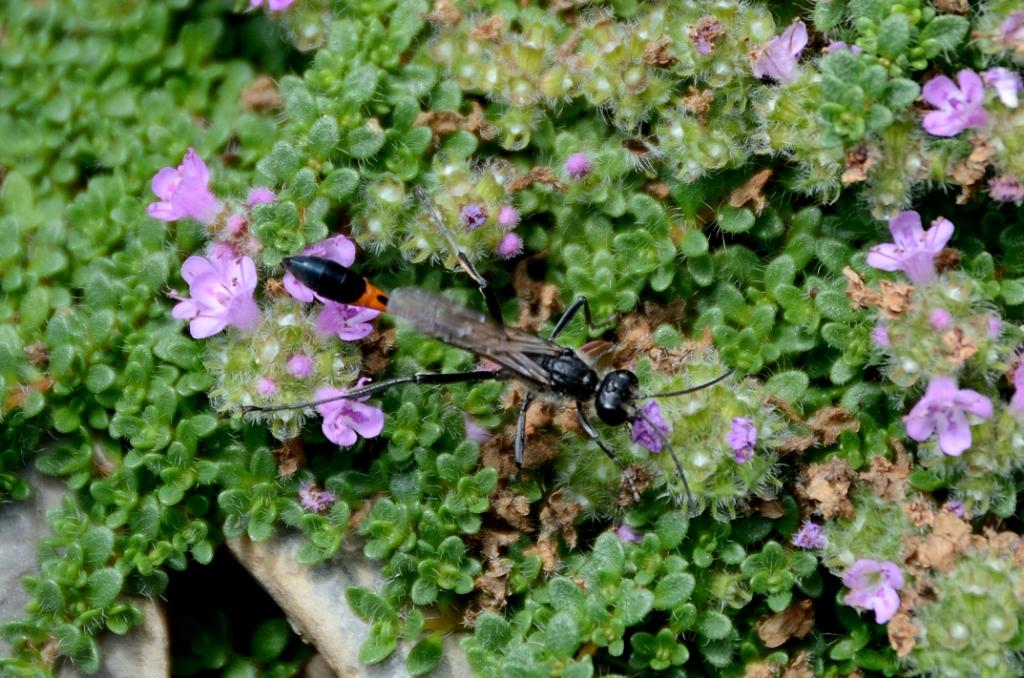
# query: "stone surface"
145,651
313,598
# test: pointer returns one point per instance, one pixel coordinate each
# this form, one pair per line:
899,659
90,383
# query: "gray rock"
144,651
314,600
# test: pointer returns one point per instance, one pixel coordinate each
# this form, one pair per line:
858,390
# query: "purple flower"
337,248
474,431
626,534
260,196
344,419
955,507
741,438
778,59
1006,83
840,46
940,319
511,245
1017,400
300,365
473,216
1011,32
880,335
184,192
272,5
578,165
349,323
267,387
221,288
994,325
508,217
873,586
314,499
646,435
810,536
957,108
944,408
913,249
1006,188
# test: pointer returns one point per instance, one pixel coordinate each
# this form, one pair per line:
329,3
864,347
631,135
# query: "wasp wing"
455,324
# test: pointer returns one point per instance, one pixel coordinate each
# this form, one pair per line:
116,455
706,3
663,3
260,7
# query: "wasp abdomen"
331,280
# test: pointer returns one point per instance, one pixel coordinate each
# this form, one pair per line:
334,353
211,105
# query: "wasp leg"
570,313
592,433
374,389
520,443
481,282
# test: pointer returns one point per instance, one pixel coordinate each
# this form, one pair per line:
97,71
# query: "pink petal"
195,268
885,257
247,279
885,603
906,229
974,403
338,433
185,310
971,86
165,182
795,38
368,421
193,167
244,313
337,248
297,290
943,124
891,574
164,211
936,237
939,90
206,326
954,432
857,576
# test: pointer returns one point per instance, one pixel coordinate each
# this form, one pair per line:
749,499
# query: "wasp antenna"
246,409
675,459
692,389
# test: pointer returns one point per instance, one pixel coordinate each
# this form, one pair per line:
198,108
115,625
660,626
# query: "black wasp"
544,366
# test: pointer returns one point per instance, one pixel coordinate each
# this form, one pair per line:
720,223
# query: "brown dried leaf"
377,348
797,620
476,122
444,13
657,189
829,422
657,53
559,516
823,488
799,666
760,670
537,299
261,94
769,508
785,407
707,30
886,479
36,353
895,298
751,192
796,444
539,450
547,549
633,482
952,7
859,161
537,175
959,345
441,123
697,102
290,457
858,292
489,28
950,537
902,634
947,259
513,508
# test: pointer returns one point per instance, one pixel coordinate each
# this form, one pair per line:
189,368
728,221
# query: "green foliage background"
102,388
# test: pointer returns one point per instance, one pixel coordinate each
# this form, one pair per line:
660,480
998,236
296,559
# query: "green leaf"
790,385
943,33
363,142
424,656
609,557
270,639
1012,291
377,648
103,586
714,625
340,184
97,545
633,605
369,605
673,590
735,219
671,528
